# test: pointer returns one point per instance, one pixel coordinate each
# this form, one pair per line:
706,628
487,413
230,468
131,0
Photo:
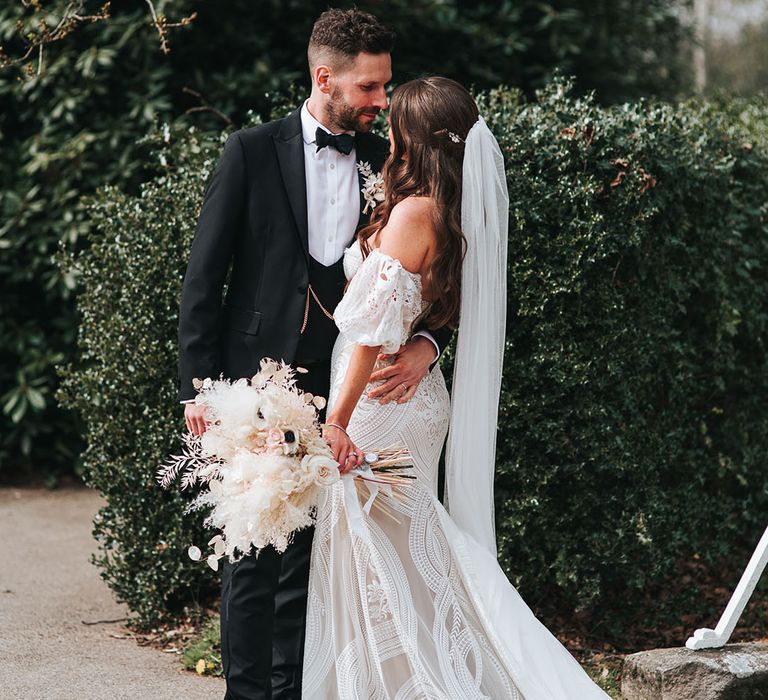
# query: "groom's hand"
402,377
194,415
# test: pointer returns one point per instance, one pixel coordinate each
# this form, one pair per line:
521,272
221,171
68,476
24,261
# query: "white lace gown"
403,605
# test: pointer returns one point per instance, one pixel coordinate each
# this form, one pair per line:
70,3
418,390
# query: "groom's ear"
322,75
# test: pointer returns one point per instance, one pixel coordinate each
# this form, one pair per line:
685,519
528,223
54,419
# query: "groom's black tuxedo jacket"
254,218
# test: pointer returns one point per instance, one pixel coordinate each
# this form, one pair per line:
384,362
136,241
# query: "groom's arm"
220,221
439,337
412,363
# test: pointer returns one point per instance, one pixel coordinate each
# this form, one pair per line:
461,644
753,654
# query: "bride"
406,599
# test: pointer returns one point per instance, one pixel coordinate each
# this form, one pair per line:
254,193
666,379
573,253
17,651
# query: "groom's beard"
346,117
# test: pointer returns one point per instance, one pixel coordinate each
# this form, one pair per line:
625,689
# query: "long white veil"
471,449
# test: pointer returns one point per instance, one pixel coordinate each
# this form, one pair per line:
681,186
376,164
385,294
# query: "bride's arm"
359,371
345,452
410,236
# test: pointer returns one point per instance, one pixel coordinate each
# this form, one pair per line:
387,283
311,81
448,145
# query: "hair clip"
450,134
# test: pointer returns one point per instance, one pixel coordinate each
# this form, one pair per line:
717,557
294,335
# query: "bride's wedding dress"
403,604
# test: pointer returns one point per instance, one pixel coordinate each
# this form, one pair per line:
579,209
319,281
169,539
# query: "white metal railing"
710,639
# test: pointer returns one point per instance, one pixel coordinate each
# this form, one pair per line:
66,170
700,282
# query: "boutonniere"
373,186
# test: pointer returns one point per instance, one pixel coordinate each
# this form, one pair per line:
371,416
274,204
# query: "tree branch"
72,16
205,107
162,26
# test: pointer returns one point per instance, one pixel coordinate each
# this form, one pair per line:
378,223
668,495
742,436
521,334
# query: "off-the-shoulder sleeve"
381,303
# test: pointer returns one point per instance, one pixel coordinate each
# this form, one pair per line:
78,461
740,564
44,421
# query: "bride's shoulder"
410,232
414,209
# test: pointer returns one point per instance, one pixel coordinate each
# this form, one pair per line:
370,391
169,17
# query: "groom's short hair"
340,35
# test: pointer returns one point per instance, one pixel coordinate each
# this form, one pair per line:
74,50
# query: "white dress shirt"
333,194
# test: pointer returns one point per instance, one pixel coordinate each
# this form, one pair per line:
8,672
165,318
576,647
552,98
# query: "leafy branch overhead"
43,25
45,28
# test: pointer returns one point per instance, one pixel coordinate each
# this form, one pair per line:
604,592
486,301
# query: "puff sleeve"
381,303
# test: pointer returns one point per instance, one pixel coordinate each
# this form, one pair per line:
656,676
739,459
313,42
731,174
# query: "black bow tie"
343,143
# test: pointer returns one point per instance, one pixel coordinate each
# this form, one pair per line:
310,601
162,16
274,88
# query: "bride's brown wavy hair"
426,115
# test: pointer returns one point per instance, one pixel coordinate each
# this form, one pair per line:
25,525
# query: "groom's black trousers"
264,605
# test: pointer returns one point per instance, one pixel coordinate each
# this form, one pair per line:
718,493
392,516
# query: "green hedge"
634,422
635,377
124,384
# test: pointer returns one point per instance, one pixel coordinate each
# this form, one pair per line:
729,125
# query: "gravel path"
47,587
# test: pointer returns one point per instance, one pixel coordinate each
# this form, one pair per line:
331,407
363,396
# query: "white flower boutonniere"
373,186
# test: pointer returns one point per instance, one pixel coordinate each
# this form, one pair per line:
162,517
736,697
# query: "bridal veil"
471,448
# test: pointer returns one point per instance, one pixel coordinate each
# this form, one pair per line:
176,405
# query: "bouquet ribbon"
354,511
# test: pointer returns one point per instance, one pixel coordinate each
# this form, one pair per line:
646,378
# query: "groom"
284,202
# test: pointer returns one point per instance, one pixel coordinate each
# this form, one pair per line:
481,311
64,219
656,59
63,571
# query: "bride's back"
410,236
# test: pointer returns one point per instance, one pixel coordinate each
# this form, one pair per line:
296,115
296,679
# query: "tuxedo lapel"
289,145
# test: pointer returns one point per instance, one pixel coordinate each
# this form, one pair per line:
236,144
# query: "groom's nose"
380,99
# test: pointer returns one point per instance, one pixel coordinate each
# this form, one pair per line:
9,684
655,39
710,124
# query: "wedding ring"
402,384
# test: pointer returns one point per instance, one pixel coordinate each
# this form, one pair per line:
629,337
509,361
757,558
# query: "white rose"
327,475
324,469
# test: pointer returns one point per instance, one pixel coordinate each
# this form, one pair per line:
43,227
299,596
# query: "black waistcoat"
316,342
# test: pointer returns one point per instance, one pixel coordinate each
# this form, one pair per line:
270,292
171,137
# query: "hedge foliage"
636,374
634,420
63,134
74,128
130,279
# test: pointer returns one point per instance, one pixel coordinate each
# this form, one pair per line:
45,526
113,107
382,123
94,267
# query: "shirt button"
333,201
332,166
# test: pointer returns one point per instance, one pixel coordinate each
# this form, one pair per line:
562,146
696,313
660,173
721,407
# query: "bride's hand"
402,378
345,452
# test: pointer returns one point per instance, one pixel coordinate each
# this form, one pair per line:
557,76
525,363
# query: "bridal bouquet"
261,461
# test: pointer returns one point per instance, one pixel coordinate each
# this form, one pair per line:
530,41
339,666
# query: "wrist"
427,347
336,422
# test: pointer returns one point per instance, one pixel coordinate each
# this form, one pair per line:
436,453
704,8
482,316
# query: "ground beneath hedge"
49,597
